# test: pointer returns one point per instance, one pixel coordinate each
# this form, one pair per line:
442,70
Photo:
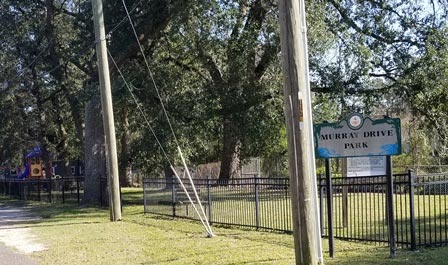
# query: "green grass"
366,212
77,235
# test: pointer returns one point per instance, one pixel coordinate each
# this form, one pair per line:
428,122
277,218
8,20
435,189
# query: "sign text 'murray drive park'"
356,136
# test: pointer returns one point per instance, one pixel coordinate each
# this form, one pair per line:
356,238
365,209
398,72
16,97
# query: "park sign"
358,136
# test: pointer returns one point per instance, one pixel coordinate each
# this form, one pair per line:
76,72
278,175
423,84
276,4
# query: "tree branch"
347,20
211,66
186,66
268,55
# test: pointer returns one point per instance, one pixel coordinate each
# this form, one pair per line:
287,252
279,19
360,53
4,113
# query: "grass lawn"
77,235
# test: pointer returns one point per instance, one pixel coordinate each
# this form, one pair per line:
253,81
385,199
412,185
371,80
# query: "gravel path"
17,237
7,256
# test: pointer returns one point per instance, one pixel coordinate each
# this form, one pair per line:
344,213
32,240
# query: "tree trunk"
125,165
169,177
62,145
75,111
230,159
95,185
42,123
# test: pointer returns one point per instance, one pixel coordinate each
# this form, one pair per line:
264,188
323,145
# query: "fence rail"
252,202
49,190
360,208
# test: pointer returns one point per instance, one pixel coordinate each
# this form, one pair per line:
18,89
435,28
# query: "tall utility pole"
108,114
298,120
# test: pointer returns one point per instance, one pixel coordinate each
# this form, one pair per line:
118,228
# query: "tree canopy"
217,66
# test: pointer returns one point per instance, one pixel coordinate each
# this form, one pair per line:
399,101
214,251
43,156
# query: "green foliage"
428,94
388,58
206,65
216,64
220,65
39,107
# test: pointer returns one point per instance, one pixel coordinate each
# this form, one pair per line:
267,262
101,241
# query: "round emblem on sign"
355,121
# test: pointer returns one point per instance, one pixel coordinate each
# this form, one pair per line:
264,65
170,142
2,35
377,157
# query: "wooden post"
298,121
108,114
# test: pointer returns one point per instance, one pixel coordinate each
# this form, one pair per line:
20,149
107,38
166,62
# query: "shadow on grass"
24,214
40,224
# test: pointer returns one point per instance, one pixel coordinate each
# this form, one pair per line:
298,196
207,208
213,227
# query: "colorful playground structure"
34,168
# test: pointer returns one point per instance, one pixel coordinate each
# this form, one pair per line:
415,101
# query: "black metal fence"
429,195
62,190
252,202
359,204
359,212
360,209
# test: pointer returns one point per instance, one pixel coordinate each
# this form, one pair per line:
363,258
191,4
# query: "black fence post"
101,192
20,192
144,196
121,198
257,204
63,190
390,207
50,184
412,209
23,191
38,189
209,200
321,204
329,207
173,195
77,189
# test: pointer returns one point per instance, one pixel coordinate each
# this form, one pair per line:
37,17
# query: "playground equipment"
34,168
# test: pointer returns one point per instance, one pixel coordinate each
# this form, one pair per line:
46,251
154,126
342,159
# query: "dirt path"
15,234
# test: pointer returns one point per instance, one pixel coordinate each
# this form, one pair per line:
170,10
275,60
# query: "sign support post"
344,194
390,207
329,187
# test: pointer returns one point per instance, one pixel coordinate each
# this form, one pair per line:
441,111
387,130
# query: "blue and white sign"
358,136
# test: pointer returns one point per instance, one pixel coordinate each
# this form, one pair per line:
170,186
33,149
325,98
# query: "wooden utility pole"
298,121
108,114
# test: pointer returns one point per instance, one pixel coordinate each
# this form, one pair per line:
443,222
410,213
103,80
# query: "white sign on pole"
366,166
